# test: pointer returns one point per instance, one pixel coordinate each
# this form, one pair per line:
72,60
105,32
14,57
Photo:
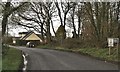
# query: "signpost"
112,42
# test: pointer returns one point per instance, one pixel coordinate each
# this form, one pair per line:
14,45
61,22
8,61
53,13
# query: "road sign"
110,42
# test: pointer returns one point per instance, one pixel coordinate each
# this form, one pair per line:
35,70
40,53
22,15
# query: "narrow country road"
45,59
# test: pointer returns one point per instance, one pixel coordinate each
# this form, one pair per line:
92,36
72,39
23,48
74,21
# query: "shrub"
78,43
71,43
7,40
5,48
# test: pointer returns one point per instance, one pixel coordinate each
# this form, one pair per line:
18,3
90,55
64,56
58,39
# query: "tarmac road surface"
46,59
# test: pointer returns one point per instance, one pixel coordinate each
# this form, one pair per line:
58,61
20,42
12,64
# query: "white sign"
110,42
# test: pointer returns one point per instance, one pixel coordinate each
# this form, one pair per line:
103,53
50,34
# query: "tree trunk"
65,19
59,12
118,10
48,31
74,34
79,24
42,33
53,27
5,17
79,20
4,24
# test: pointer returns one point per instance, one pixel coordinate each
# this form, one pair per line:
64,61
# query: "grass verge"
0,63
98,53
12,60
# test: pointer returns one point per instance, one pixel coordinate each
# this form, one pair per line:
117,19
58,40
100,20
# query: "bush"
5,48
71,43
7,40
77,43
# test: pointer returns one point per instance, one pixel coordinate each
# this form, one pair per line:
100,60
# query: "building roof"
27,35
30,33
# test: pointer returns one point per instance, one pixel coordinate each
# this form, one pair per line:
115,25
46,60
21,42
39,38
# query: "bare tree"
73,22
63,9
102,17
118,18
40,13
8,9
